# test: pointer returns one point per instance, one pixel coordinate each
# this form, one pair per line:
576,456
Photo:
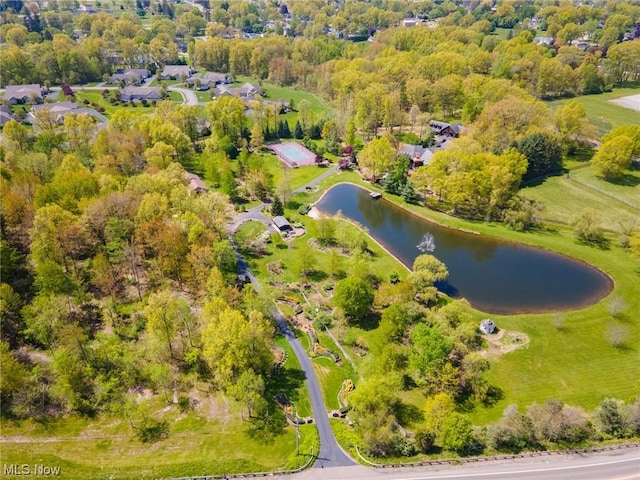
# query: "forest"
119,283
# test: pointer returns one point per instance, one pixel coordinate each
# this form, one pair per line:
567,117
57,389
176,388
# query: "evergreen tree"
298,133
276,207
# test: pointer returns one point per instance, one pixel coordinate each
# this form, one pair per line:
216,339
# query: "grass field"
298,395
95,96
604,114
107,449
330,375
577,364
565,197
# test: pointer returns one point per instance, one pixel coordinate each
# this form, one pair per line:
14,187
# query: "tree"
249,391
257,137
428,349
276,207
354,295
611,419
234,344
456,434
587,228
571,123
377,158
543,153
298,133
373,405
613,157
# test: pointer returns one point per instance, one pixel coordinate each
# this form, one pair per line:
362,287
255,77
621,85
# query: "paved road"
330,455
190,98
613,465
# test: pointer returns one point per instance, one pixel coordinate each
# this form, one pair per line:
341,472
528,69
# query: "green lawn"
564,198
292,380
330,375
175,97
604,114
275,92
107,449
95,96
578,364
203,96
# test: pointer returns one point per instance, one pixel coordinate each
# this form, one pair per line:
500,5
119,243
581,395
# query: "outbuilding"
282,224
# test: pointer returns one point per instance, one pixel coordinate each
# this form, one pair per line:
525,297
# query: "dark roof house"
196,185
23,93
418,154
207,80
5,115
446,129
140,93
175,72
246,91
132,76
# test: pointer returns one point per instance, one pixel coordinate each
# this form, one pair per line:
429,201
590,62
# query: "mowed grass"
95,96
294,380
577,364
565,198
196,446
331,375
604,114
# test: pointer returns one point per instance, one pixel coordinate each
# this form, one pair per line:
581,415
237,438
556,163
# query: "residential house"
140,93
175,72
62,109
132,76
248,91
24,93
207,80
445,129
410,22
196,185
5,115
548,41
418,154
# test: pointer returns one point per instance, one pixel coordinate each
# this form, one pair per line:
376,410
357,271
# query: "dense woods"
118,278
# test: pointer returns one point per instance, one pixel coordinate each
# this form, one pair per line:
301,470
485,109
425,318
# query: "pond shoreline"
598,283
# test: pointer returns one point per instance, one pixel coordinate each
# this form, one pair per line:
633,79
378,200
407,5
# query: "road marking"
515,472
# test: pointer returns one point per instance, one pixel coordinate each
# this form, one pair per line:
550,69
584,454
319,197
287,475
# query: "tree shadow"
408,414
626,180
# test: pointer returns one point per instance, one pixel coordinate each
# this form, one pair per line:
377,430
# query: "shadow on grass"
408,414
626,180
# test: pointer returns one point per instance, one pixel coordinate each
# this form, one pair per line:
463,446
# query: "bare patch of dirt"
504,341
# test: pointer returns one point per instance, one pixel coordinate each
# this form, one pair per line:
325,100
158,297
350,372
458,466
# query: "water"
493,275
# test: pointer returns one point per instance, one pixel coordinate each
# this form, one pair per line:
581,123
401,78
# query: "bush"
152,430
304,209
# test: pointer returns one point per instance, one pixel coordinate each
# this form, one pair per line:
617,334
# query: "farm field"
604,114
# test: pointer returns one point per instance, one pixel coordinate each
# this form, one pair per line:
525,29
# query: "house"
132,76
140,93
445,129
5,115
196,185
246,92
410,22
207,80
487,326
175,72
418,154
282,224
548,41
62,109
23,93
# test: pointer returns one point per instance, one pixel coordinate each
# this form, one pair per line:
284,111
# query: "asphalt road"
330,455
612,465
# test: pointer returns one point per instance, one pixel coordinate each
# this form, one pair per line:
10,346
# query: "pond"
494,276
